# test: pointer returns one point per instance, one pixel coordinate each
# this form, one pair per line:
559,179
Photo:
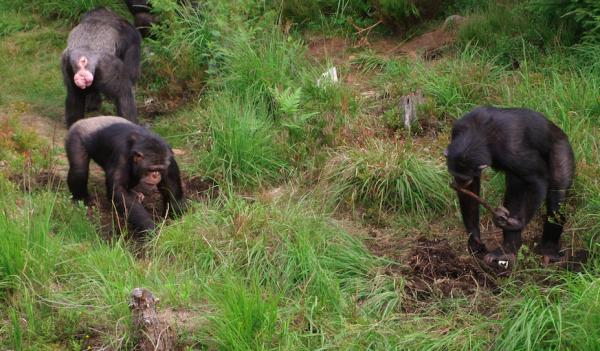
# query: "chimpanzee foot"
475,245
500,258
550,253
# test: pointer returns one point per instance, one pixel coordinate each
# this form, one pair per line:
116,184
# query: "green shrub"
506,32
243,145
582,16
389,177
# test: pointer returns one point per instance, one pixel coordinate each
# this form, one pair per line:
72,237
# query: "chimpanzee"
102,57
142,16
129,155
538,162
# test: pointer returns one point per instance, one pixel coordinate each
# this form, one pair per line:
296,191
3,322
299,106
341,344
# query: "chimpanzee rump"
102,57
129,155
538,162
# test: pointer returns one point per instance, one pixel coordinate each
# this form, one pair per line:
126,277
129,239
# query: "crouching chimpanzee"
538,162
102,57
129,155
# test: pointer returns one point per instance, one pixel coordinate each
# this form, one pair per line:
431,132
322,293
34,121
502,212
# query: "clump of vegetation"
242,146
389,177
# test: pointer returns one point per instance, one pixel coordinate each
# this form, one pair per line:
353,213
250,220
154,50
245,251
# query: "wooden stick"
474,196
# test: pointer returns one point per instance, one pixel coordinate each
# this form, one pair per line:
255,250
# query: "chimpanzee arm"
172,190
126,202
469,209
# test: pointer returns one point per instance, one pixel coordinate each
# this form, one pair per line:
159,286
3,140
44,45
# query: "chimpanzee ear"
137,157
131,139
482,167
446,152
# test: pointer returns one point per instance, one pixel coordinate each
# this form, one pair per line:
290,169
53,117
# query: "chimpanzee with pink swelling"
102,57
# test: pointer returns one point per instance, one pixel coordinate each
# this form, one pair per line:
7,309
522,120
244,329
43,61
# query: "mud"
44,179
434,268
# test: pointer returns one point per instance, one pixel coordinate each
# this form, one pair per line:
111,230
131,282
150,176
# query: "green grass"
279,259
385,177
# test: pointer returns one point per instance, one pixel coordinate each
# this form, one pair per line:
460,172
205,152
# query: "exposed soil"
431,44
435,268
43,179
200,188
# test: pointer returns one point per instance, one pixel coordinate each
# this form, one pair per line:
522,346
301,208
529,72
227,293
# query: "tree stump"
152,333
409,104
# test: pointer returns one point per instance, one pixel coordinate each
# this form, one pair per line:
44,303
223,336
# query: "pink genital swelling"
83,78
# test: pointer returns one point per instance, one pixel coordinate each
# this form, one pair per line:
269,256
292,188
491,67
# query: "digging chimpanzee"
142,17
129,155
102,57
538,162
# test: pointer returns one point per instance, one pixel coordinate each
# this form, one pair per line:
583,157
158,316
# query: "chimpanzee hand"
475,244
503,220
139,197
501,259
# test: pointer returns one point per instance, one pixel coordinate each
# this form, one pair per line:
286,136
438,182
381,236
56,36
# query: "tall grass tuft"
564,316
246,317
27,248
243,146
389,177
258,60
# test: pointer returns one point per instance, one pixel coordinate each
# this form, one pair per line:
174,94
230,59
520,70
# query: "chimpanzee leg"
125,103
93,101
522,199
171,189
74,105
79,163
562,169
131,63
119,88
469,209
127,205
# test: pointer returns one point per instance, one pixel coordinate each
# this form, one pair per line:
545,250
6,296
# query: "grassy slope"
268,264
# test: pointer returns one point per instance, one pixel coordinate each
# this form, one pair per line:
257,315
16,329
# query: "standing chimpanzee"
102,57
142,16
129,155
538,162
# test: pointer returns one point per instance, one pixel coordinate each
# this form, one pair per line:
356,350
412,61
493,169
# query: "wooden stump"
409,104
152,334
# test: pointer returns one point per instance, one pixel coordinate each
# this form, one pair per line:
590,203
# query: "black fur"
113,142
538,162
112,46
142,16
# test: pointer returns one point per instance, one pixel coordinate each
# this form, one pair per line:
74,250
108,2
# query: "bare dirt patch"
200,188
435,268
333,49
431,44
48,179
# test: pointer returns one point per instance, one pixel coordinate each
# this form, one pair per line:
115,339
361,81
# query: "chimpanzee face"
465,166
463,171
150,163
